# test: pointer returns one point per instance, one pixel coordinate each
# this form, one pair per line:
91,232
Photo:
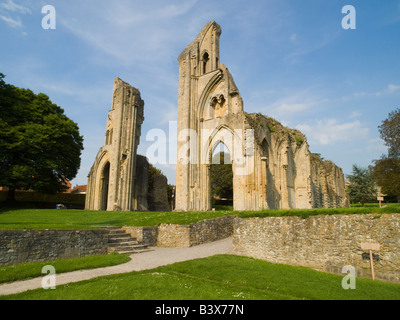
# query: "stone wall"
146,235
326,243
21,246
271,163
173,236
141,184
184,236
158,198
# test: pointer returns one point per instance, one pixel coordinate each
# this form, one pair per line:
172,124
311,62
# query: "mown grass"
80,219
221,277
32,270
305,213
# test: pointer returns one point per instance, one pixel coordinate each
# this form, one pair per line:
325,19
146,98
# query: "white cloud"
355,114
390,89
376,145
329,131
293,37
106,28
310,45
11,6
293,105
393,88
11,22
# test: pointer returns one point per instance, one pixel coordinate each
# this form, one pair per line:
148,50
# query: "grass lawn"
355,209
80,219
32,270
221,277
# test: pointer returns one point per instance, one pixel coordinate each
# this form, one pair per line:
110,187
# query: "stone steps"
121,242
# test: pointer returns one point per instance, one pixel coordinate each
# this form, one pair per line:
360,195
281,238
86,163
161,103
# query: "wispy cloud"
330,131
391,88
289,104
11,6
307,46
108,31
11,22
293,37
11,12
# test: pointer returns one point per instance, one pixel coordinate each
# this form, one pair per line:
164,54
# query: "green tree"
40,147
386,171
390,133
362,187
221,177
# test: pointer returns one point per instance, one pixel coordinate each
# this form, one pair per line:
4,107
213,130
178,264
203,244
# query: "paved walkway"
140,261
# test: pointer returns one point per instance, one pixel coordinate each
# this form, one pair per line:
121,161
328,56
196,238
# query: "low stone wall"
147,235
326,243
185,236
21,246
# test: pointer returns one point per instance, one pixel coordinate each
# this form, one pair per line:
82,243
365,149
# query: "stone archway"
221,176
104,186
272,165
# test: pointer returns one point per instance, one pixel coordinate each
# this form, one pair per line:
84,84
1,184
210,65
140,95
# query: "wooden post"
380,199
371,258
370,247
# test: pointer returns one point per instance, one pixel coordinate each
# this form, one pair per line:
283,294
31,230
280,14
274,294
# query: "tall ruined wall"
111,178
141,183
294,177
158,197
272,165
328,184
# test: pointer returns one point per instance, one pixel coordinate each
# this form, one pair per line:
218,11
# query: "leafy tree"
40,147
221,177
390,133
362,187
386,171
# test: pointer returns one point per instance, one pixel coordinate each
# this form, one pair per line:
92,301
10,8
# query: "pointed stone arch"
209,103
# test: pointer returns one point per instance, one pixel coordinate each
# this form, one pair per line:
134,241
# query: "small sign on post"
370,247
380,199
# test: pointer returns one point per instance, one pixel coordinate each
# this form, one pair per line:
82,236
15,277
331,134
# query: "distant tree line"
383,173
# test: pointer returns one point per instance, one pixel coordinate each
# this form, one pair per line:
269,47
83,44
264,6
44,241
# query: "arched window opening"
105,178
221,176
206,60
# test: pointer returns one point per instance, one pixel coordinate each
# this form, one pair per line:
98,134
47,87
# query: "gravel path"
140,261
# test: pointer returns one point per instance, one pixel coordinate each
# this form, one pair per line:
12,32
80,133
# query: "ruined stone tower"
114,183
272,165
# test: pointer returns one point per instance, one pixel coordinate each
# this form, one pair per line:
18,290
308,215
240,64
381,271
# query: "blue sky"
290,59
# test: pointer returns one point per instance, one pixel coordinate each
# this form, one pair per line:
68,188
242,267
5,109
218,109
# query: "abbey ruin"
272,165
118,179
